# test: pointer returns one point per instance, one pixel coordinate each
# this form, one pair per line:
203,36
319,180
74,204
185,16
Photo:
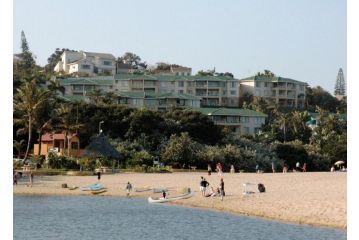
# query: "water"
39,217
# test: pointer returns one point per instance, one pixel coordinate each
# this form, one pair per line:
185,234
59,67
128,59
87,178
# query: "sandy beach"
318,199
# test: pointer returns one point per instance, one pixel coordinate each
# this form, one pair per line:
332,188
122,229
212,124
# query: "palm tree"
67,124
28,99
18,146
95,96
283,121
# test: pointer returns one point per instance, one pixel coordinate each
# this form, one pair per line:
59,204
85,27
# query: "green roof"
266,78
343,116
84,81
171,78
157,95
220,111
72,98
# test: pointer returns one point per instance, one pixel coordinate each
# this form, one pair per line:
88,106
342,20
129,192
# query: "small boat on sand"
73,188
93,187
98,191
168,199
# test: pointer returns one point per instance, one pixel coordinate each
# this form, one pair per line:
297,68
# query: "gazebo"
101,147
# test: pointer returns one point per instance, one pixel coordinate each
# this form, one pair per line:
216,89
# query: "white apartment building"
86,63
285,92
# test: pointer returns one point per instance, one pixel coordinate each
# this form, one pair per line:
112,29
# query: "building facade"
240,121
86,63
284,92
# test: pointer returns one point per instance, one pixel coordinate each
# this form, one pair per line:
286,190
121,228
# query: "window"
190,92
265,84
181,84
233,92
246,130
233,84
74,145
244,119
116,81
301,88
180,91
77,87
85,66
224,92
258,84
107,63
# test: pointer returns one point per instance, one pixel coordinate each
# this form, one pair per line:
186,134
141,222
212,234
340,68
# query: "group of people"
203,185
297,168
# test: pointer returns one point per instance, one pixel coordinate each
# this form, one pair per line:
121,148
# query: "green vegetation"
174,138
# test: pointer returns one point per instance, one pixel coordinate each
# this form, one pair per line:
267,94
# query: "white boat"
168,199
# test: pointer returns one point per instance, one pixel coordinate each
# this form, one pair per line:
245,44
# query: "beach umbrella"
101,147
339,162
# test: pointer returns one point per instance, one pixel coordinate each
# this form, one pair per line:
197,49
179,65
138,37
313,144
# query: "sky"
300,39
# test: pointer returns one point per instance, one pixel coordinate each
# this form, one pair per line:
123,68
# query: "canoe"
73,188
162,200
96,186
143,189
99,191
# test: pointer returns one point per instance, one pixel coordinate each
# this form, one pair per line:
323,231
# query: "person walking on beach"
209,169
98,175
222,189
15,178
164,194
31,178
304,167
128,189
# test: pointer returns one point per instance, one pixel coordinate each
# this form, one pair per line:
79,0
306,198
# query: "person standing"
304,167
164,194
202,187
15,178
128,189
209,169
222,189
273,169
297,166
232,169
257,168
31,178
98,175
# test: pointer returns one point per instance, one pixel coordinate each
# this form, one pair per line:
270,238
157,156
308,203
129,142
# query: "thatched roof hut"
101,147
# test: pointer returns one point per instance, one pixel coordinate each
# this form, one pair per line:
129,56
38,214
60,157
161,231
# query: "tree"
18,146
130,58
340,84
181,150
66,123
28,100
319,97
27,60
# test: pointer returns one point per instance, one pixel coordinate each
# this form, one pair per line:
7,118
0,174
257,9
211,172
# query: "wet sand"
318,199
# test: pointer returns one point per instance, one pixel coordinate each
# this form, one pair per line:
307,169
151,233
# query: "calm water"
117,218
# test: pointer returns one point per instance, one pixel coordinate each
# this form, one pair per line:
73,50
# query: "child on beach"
98,175
128,189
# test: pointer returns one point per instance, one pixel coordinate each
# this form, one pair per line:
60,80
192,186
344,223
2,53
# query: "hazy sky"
300,39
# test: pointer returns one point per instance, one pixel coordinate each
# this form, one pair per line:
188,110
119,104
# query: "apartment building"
159,101
214,91
83,86
240,121
285,92
86,63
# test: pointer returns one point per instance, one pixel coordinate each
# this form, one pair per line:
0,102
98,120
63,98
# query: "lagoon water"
82,218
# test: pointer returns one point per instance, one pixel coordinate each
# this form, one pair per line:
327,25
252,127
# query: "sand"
318,199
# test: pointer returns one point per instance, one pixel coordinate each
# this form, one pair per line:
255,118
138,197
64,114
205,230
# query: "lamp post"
99,127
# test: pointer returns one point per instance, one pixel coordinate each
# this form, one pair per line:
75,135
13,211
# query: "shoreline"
317,209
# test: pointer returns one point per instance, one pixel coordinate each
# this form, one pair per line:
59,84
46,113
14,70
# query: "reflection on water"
118,218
